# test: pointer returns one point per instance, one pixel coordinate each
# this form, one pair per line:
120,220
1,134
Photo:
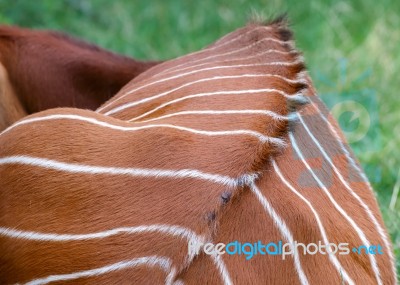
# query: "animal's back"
211,147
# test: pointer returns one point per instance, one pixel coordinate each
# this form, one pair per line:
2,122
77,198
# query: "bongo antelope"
228,143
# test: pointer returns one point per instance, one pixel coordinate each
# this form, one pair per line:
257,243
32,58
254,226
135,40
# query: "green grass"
351,48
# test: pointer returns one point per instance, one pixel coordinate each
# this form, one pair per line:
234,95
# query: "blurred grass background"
352,49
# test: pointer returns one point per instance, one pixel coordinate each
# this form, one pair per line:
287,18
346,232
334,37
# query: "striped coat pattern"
228,143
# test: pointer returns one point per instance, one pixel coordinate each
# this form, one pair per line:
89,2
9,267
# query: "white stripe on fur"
172,230
259,136
223,270
150,98
189,64
331,256
342,146
282,227
216,45
216,93
347,186
137,172
353,224
116,109
272,114
151,261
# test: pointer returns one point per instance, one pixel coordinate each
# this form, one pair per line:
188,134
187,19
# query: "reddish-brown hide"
179,154
45,69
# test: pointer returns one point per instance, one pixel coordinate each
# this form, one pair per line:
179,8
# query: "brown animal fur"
48,69
11,109
37,196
